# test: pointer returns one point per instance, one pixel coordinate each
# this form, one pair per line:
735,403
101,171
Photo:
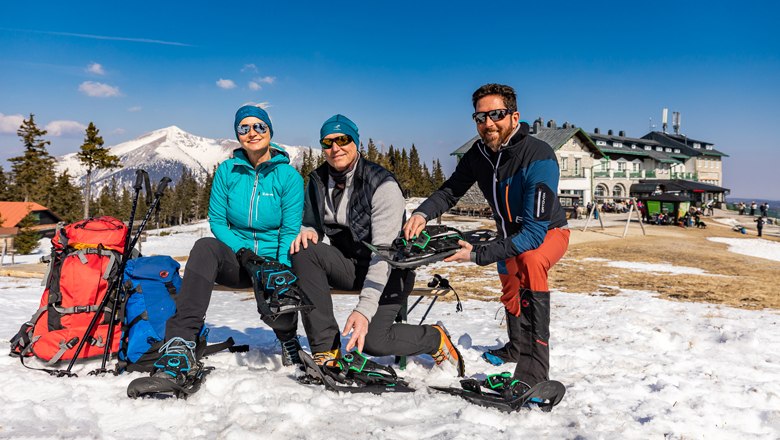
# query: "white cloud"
119,131
98,90
96,68
10,123
254,86
226,84
135,108
65,128
263,105
249,68
265,79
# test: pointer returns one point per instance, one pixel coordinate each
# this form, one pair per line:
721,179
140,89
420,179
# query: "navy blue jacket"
520,183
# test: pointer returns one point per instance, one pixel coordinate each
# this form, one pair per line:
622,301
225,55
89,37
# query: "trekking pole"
107,297
140,176
155,202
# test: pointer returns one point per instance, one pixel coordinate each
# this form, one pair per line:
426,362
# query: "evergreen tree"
4,190
437,176
307,166
204,195
108,201
416,179
68,201
27,239
362,150
372,153
426,185
33,172
94,157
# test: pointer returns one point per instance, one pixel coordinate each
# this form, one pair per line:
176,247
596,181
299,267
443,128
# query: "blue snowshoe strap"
275,286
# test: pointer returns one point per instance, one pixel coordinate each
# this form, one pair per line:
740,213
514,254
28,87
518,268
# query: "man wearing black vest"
349,200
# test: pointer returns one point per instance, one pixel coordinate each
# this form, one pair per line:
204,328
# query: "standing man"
518,174
350,200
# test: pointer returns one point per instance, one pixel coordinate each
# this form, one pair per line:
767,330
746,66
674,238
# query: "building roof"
685,144
13,212
649,185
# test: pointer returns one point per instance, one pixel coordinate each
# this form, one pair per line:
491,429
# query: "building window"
696,145
621,165
709,147
659,148
617,191
564,164
577,166
677,150
635,166
648,148
617,144
668,150
600,191
633,146
601,143
605,165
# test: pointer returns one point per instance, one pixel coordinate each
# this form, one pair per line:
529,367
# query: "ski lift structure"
632,208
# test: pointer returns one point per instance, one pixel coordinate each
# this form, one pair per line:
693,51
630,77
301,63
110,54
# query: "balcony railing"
572,174
619,174
650,173
601,174
684,176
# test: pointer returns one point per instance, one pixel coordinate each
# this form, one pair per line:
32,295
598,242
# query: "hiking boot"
498,356
177,361
290,355
326,358
447,350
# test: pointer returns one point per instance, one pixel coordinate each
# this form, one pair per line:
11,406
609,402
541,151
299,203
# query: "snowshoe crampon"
434,243
275,286
163,388
502,392
353,373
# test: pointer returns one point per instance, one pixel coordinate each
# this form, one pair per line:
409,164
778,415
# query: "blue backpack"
151,283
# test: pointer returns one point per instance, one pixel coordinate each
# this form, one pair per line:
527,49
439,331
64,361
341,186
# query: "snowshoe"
177,372
276,290
434,243
353,373
503,392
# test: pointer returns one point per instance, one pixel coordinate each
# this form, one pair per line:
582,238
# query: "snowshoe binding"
275,286
352,373
434,243
505,393
177,373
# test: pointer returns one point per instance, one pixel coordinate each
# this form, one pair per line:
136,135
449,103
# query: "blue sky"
404,72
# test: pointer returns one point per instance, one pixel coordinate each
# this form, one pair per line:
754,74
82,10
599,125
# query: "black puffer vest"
367,178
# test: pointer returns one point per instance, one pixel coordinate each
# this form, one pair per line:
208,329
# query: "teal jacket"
259,209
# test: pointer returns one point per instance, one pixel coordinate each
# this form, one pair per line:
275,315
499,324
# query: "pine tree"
438,175
426,185
33,172
108,201
4,190
204,195
372,153
415,173
27,239
307,166
362,150
94,157
68,202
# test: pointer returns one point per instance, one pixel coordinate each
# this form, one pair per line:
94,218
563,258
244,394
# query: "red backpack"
84,264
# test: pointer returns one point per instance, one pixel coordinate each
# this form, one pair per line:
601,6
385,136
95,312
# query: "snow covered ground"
636,366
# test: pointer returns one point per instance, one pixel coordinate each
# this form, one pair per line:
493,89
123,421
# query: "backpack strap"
64,346
24,338
76,309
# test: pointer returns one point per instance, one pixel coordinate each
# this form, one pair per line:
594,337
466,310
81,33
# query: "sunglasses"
494,115
259,127
343,140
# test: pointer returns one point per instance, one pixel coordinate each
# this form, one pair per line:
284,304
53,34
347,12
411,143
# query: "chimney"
566,124
596,130
609,132
551,124
622,133
538,123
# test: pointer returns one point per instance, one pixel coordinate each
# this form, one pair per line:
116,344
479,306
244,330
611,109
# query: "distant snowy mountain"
165,152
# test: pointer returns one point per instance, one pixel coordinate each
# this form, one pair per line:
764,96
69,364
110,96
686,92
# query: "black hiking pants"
213,261
320,267
529,336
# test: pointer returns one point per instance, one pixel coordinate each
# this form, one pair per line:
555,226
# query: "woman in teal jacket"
256,203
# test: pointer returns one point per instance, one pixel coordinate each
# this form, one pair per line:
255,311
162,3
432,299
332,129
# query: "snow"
754,247
652,267
635,365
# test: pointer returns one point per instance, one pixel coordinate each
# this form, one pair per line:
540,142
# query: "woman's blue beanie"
252,110
340,124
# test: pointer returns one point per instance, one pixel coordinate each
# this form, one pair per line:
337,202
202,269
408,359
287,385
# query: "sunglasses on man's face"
494,115
341,141
258,127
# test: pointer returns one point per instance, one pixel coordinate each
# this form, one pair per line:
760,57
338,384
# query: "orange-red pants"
529,269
